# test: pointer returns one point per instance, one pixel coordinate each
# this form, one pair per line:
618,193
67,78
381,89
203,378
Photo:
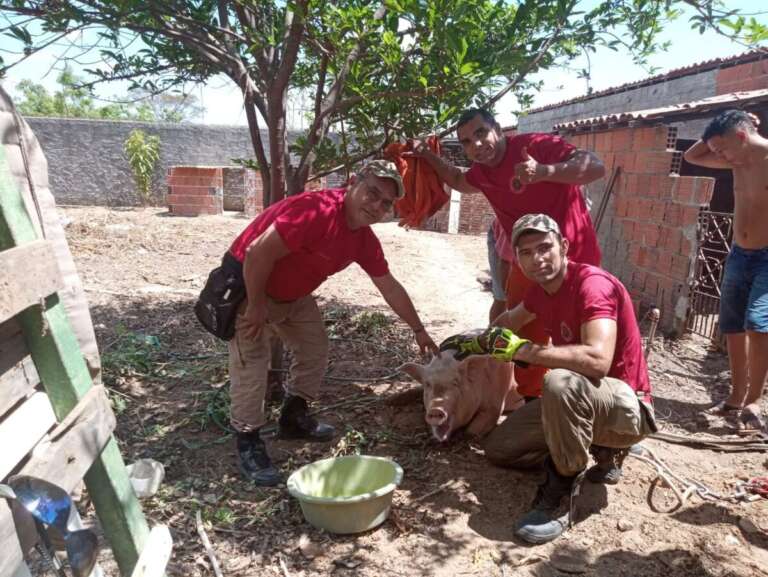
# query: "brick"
652,285
689,216
682,189
644,257
658,162
658,210
191,200
663,184
669,239
672,214
600,142
663,262
644,210
201,191
621,140
703,191
680,267
638,280
643,184
651,233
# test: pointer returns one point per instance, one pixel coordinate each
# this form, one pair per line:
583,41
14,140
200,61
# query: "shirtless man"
731,141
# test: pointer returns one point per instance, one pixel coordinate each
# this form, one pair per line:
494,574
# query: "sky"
223,102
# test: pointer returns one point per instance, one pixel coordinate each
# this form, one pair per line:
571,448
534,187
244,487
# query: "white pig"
472,393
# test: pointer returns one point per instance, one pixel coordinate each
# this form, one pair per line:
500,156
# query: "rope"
684,488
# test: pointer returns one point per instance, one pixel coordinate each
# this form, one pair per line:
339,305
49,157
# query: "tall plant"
143,152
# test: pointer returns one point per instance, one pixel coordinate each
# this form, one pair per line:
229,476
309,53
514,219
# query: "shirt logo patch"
565,332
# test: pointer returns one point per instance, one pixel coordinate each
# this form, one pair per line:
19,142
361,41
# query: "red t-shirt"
563,202
313,227
590,293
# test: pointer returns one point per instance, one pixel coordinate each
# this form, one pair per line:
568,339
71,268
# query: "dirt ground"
454,512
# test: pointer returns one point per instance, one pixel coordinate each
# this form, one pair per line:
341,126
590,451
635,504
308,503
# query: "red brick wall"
648,235
438,222
475,215
195,190
749,76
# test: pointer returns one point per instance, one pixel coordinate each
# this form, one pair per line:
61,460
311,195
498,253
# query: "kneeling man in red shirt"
287,252
596,397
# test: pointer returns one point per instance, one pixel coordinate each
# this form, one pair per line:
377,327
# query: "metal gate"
714,242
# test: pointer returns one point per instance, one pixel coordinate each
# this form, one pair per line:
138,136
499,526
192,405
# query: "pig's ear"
415,370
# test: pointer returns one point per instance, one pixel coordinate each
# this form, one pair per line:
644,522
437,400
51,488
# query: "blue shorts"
497,284
744,291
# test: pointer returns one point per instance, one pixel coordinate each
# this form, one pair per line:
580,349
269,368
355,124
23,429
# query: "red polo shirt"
313,227
590,293
563,202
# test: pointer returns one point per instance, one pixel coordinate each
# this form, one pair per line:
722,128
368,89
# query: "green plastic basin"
346,494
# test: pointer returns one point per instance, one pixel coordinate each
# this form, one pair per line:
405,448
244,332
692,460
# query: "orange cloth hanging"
424,193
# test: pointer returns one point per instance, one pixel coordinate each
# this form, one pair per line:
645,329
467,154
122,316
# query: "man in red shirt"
287,252
596,396
525,174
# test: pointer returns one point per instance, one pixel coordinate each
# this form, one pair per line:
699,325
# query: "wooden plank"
18,375
66,379
65,455
30,274
156,553
22,430
11,556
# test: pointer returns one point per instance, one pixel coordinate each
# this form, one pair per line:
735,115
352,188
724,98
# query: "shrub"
143,152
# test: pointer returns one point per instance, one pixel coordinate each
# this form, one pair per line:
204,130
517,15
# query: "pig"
472,393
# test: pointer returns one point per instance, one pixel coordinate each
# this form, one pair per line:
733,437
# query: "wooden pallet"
54,423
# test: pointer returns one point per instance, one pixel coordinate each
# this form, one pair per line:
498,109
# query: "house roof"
667,113
697,68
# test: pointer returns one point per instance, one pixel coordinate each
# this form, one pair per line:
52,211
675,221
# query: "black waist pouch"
216,308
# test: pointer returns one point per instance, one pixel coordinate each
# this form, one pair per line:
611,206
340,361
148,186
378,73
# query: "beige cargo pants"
300,326
573,413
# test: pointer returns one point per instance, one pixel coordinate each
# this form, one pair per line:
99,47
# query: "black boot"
541,524
607,467
296,423
254,461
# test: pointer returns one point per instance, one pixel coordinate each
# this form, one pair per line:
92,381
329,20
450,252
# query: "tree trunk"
276,124
258,148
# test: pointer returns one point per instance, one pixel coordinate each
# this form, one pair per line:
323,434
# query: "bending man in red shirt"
596,397
524,174
287,252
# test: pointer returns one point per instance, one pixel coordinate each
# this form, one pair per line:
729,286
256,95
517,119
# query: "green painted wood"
65,376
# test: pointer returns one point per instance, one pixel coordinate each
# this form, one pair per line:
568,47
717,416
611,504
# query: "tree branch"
292,41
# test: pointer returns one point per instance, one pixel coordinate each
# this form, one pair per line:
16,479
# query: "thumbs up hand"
528,171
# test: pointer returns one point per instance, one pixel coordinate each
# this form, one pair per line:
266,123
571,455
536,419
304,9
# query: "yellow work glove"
501,343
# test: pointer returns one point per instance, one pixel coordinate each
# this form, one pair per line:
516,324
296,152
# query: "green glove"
463,346
501,344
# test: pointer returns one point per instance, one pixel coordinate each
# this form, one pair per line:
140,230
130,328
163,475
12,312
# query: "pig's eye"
427,385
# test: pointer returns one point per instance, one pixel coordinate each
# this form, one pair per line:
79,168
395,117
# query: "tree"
166,106
69,101
377,70
143,152
74,100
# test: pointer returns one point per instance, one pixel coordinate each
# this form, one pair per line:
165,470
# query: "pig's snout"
436,416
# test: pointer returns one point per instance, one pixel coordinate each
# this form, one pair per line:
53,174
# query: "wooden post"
64,374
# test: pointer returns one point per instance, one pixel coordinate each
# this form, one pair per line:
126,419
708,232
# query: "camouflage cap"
384,169
537,222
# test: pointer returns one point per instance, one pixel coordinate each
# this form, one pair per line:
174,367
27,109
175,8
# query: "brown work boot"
607,467
296,423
